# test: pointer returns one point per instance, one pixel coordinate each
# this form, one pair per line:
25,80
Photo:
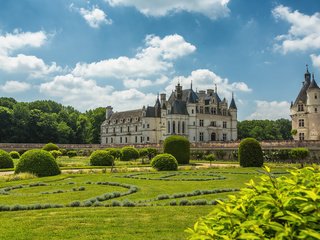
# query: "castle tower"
234,122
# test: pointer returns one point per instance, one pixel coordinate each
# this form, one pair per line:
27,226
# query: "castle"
199,116
305,111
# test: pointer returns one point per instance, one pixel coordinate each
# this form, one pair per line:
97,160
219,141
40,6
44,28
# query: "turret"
157,107
163,100
109,112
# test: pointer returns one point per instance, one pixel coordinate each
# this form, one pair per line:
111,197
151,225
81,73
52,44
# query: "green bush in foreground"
38,162
14,155
179,147
164,162
101,158
250,153
50,147
5,160
129,153
287,207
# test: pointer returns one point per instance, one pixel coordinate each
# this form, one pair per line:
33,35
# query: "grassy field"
151,194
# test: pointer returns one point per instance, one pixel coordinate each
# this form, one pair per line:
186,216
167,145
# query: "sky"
122,53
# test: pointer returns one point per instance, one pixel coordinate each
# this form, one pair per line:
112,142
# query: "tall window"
178,126
201,123
224,137
315,96
224,124
126,139
121,129
300,107
128,129
168,126
183,127
315,109
301,122
120,139
201,136
111,140
136,128
173,127
201,109
136,139
301,136
224,112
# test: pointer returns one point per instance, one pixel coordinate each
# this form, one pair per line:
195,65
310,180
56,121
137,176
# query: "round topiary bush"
115,152
50,147
101,158
179,147
250,153
56,153
14,155
164,162
5,160
129,153
38,162
72,153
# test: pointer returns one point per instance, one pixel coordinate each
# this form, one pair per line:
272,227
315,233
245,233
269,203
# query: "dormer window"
300,108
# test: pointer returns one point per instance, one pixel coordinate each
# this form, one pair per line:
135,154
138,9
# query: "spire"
233,103
307,68
313,84
307,75
191,85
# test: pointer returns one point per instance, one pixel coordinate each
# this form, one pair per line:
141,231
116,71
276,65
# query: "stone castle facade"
305,111
199,116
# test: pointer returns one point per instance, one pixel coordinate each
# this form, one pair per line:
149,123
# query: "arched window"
173,127
183,127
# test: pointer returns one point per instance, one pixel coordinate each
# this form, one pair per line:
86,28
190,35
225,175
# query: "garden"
128,194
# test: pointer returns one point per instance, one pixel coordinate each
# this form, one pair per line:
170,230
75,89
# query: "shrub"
197,154
164,162
210,158
14,155
179,147
5,160
38,162
115,152
250,153
129,153
55,153
299,154
151,153
276,208
71,153
50,147
101,158
220,154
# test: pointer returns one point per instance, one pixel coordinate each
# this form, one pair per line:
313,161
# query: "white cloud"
11,42
95,17
140,83
155,59
210,8
304,33
87,94
32,65
203,79
271,110
315,60
15,86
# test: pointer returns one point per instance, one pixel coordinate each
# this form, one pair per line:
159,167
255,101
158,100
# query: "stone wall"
312,145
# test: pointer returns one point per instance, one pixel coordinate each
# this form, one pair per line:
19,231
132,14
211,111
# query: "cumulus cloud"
271,110
95,17
20,63
304,32
140,83
315,60
15,86
211,8
203,79
86,94
155,59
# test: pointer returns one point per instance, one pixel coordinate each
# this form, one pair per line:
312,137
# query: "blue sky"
122,53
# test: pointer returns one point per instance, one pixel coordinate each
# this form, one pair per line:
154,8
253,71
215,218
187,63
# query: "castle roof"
126,114
179,107
233,103
302,96
313,84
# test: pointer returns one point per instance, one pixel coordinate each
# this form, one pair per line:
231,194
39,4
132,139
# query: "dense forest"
47,121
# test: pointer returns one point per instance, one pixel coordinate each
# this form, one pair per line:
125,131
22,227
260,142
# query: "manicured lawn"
155,220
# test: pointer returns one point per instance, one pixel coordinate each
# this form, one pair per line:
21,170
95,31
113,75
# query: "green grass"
151,222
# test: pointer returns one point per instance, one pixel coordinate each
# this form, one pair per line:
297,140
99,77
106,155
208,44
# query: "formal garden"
145,193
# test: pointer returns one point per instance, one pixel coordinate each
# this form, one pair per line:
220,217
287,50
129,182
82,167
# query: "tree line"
46,121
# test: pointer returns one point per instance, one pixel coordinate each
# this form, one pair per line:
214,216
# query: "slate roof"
187,92
313,84
126,114
233,104
302,96
179,107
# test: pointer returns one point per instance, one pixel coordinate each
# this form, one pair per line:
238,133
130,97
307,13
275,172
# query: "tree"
96,117
6,122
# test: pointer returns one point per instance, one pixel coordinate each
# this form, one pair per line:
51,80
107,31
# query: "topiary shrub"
56,153
276,208
71,153
14,155
5,160
115,152
210,158
250,153
164,162
38,162
129,153
299,154
101,158
179,147
50,147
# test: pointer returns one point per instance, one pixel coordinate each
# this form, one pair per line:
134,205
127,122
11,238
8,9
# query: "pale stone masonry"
200,116
305,111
